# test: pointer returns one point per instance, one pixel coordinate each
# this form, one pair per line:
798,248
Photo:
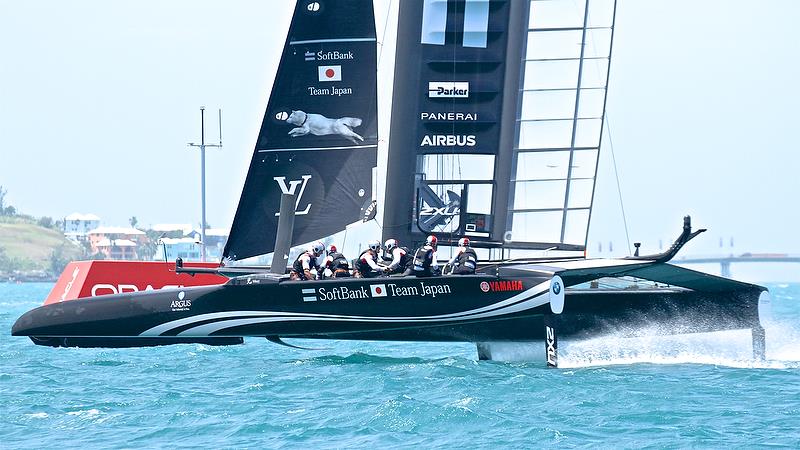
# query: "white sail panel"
437,167
580,193
576,226
537,227
543,105
584,163
592,104
548,165
557,74
587,133
545,134
538,195
434,22
557,14
560,122
601,13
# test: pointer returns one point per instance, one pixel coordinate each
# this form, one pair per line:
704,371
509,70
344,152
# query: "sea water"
696,391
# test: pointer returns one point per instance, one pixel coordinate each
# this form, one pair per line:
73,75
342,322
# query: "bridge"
726,261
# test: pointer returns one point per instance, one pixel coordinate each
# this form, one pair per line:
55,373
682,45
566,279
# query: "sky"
98,100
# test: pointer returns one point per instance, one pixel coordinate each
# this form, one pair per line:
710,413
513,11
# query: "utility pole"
202,145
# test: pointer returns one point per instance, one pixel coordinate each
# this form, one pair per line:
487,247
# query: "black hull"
515,305
130,342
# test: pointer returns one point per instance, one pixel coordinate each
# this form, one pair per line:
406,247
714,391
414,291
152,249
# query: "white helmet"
431,241
463,242
390,244
317,248
374,245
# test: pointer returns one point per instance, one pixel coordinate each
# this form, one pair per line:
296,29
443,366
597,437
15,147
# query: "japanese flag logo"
378,290
330,73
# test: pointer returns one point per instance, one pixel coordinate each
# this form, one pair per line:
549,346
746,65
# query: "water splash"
731,348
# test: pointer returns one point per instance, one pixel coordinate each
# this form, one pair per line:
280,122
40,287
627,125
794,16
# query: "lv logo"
291,188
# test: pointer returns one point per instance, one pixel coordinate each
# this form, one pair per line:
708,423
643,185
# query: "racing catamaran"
496,110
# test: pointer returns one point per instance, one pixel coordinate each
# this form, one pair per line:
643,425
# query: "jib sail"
318,139
504,134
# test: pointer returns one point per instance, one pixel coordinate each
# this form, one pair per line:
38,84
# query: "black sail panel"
318,138
448,119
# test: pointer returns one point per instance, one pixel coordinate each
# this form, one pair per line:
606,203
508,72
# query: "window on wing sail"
624,283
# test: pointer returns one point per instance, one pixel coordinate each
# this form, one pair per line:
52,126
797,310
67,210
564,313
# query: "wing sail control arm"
686,236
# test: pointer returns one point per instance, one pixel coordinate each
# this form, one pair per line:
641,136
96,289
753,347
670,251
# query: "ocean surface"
698,391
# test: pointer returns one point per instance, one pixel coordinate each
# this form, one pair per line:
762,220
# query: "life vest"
467,262
405,261
297,266
361,263
423,258
337,261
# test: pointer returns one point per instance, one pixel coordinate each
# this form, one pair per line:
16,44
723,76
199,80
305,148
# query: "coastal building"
215,241
173,230
188,246
116,242
170,249
77,226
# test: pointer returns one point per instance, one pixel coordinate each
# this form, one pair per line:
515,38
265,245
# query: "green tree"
149,245
46,222
3,193
5,264
133,221
58,261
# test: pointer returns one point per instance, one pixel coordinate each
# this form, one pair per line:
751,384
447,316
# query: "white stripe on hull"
534,297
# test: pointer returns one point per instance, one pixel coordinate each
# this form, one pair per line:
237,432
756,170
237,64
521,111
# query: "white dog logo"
319,125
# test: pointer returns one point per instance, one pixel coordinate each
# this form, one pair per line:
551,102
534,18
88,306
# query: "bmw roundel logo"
556,288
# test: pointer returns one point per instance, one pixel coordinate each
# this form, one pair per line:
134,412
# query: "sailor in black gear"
367,264
301,269
400,257
336,264
465,261
425,263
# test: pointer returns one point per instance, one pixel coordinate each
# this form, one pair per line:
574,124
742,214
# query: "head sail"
318,138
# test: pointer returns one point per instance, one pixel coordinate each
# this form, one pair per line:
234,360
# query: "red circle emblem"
329,73
484,286
378,290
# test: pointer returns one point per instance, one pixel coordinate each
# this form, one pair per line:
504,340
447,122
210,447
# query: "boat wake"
722,348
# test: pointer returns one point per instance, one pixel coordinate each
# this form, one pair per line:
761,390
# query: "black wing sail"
318,139
502,129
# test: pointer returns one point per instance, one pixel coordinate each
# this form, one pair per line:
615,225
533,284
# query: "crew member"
425,264
367,264
465,260
400,257
301,269
336,264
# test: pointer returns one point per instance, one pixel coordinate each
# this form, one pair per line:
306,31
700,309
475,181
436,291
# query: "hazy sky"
98,100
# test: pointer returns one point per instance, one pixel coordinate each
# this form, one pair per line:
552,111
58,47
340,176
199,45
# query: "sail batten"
348,147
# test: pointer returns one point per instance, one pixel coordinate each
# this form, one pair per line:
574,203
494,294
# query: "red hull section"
82,279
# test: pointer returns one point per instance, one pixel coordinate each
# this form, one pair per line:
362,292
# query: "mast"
517,34
202,147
